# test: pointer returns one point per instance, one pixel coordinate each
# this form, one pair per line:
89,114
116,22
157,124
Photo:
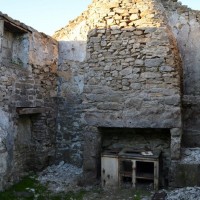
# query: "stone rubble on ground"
60,177
187,193
63,177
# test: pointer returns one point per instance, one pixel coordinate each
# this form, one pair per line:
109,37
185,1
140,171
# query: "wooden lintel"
29,111
14,27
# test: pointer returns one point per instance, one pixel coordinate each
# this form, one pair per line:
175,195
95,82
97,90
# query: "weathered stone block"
154,62
110,106
95,39
113,4
187,175
176,135
133,10
150,75
119,10
173,100
126,71
176,132
134,17
166,68
133,103
139,62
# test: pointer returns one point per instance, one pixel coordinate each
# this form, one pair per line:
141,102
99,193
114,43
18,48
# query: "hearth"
130,167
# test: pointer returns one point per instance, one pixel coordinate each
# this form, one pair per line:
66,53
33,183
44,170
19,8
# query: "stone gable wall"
119,66
134,62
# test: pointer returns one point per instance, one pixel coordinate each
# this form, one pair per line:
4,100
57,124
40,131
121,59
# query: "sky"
48,16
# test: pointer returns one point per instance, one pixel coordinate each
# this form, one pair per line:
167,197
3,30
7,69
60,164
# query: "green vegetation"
30,189
25,189
137,196
139,193
71,195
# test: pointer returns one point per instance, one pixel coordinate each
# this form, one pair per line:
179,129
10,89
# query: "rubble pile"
187,193
61,177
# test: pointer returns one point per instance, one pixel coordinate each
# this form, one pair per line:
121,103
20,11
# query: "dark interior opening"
144,184
126,173
30,143
144,169
126,166
126,182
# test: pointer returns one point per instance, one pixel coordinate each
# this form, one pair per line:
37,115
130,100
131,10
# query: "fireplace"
130,167
133,157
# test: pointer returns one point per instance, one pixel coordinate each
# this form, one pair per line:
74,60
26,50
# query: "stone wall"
128,58
132,70
185,24
119,66
28,65
70,123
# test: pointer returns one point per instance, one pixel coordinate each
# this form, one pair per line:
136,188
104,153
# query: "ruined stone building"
125,73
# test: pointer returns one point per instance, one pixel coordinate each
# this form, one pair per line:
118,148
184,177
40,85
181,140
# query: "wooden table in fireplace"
130,168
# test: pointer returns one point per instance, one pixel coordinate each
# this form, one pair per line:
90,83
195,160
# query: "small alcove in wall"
30,141
15,45
23,142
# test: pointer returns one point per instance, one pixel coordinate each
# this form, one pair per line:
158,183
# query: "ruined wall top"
131,63
19,27
169,5
16,23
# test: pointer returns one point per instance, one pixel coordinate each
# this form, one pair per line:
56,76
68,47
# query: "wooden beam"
14,27
29,111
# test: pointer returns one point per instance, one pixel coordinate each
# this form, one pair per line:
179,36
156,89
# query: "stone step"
187,171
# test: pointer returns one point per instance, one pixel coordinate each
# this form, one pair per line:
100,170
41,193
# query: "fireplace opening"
139,156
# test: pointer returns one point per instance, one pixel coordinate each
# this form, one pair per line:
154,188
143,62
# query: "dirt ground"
117,194
64,178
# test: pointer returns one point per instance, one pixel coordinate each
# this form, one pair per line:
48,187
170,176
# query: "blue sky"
48,16
44,15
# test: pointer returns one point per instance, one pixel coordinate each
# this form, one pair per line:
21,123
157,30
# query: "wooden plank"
14,28
28,111
134,174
